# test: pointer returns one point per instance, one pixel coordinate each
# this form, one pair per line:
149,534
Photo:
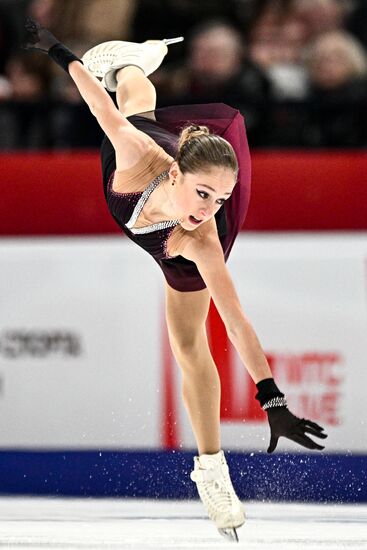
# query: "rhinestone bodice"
126,208
140,205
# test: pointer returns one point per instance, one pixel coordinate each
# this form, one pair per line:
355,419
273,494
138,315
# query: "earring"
173,183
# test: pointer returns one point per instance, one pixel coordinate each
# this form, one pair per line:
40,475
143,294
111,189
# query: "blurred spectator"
277,40
337,67
320,16
216,70
248,12
335,109
276,43
90,21
29,76
336,63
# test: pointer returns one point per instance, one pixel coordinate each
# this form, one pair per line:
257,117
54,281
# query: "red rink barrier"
310,191
61,193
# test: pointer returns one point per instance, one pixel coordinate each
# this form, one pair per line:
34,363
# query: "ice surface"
40,523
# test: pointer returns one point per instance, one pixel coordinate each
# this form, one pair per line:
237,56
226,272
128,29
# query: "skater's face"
199,195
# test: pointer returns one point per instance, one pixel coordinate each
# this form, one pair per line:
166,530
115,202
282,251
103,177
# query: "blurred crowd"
296,69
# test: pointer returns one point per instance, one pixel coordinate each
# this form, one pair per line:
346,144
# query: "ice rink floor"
157,525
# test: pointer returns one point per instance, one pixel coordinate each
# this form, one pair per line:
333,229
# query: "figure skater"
177,181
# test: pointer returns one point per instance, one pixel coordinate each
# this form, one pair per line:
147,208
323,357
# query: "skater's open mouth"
194,220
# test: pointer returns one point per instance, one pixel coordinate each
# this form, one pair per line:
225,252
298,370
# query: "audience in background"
29,80
275,44
335,104
296,69
216,69
89,21
320,16
282,32
337,65
177,17
29,76
337,71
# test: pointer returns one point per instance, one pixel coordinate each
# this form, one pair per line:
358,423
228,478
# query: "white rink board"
81,338
106,295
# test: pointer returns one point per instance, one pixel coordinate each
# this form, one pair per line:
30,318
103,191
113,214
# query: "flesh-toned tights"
186,312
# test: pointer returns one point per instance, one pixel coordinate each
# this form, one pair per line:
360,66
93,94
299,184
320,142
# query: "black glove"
41,40
37,38
282,422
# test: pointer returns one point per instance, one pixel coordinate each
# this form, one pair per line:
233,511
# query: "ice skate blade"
169,41
229,534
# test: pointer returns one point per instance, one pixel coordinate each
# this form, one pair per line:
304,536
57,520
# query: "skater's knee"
185,343
135,93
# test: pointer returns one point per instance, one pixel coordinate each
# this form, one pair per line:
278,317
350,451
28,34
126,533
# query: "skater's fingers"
306,426
314,432
313,425
305,441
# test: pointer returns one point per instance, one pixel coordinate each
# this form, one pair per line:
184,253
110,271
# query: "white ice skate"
105,59
215,488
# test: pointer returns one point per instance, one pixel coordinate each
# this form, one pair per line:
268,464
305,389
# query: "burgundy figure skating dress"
181,274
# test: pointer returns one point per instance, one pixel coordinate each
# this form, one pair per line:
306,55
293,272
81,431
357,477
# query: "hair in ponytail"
200,150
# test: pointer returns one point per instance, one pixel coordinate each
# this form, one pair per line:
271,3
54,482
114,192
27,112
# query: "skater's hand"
37,38
284,424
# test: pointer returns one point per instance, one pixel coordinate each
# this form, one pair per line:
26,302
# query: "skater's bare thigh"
186,313
135,92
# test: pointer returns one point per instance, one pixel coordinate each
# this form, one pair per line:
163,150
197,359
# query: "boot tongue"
211,461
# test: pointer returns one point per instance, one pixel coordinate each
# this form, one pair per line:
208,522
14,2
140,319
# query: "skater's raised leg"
135,93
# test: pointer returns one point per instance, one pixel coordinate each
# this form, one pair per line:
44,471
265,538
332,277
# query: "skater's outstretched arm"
129,143
207,253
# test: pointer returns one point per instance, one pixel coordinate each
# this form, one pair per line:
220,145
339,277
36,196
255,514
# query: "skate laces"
215,487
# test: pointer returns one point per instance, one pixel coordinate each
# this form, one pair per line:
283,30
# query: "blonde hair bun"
191,132
199,149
